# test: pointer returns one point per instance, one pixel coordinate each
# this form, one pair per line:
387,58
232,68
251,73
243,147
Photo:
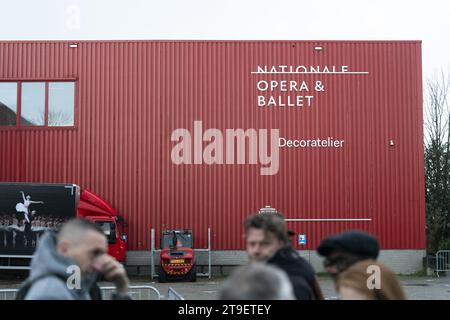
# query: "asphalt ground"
415,287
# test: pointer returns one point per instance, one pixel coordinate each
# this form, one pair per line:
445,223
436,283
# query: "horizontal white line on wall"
350,72
331,219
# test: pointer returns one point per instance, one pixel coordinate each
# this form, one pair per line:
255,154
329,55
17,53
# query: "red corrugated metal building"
131,100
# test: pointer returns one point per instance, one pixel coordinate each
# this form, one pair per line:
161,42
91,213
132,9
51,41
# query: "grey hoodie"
46,260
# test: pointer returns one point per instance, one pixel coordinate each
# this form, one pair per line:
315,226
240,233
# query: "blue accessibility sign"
302,239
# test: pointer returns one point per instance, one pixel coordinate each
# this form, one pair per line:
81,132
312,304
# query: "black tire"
162,276
192,275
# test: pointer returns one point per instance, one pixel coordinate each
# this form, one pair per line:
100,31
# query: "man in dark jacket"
267,241
66,266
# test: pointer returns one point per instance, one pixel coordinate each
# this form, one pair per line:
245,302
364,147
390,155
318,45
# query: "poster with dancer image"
27,210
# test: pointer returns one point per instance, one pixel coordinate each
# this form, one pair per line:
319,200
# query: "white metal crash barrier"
8,294
6,263
136,293
442,261
173,295
153,251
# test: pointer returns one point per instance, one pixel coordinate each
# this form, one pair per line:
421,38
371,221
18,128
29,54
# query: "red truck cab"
100,212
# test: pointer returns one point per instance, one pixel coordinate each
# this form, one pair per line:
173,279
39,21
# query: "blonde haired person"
369,280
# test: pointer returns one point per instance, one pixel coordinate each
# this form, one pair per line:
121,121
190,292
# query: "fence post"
209,253
152,253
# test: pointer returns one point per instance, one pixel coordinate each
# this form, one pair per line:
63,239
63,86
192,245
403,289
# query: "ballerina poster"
28,210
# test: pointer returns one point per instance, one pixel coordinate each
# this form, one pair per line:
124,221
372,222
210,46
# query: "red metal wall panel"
131,96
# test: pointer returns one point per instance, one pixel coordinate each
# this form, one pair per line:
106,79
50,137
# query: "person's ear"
63,247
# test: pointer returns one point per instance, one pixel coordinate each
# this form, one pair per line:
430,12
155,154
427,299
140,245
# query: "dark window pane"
109,228
8,103
33,104
61,98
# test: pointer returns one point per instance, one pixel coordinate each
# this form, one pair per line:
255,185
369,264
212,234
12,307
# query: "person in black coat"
343,250
267,240
30,236
9,234
300,272
19,235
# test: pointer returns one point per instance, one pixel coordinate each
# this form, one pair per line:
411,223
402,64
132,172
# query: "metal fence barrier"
442,261
173,295
136,293
8,294
7,264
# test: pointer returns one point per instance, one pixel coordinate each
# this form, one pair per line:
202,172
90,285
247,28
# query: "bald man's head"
82,241
75,230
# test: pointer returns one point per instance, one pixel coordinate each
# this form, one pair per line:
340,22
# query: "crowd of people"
17,232
350,258
275,270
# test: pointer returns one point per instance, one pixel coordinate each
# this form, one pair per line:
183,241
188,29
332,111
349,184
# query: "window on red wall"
8,103
34,104
32,99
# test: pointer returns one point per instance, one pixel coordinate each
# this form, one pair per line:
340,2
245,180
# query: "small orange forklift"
177,261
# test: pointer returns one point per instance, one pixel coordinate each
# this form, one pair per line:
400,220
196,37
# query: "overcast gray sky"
428,21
